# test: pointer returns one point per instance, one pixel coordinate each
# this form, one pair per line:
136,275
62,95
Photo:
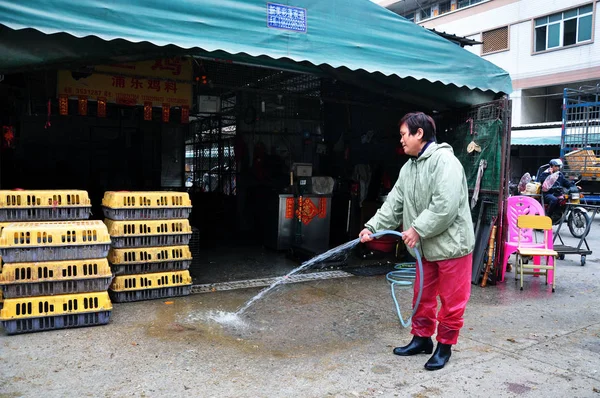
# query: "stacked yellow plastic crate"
54,271
150,234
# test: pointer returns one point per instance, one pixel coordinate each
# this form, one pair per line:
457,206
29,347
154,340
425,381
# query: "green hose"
404,277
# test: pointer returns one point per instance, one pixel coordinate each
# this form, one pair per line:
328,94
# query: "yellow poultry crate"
25,242
58,277
51,205
149,259
582,163
146,205
2,225
127,288
148,233
32,314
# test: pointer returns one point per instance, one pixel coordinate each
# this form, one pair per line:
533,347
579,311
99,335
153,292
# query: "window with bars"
495,40
425,13
445,7
467,3
563,28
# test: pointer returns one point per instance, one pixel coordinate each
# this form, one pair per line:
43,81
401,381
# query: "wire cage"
242,95
210,155
580,136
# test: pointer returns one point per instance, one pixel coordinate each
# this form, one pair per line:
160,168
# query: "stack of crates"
150,233
54,271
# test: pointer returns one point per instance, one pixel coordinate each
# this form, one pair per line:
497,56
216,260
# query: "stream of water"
321,257
234,318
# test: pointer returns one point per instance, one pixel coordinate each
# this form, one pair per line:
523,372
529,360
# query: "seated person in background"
555,190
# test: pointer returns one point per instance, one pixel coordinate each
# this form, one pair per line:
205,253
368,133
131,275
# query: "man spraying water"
431,200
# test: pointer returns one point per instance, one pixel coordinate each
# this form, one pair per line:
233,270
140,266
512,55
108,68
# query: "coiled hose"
404,278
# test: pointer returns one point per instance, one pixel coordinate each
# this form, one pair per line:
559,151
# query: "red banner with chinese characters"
322,207
101,107
185,114
82,105
165,80
148,110
166,112
63,105
307,211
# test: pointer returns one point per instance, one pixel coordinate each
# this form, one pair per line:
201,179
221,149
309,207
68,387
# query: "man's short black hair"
417,120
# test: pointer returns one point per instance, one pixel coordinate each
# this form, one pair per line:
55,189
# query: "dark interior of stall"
256,138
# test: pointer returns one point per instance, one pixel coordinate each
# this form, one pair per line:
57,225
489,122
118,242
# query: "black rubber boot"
440,357
416,346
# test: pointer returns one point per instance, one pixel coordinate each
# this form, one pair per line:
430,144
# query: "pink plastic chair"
518,206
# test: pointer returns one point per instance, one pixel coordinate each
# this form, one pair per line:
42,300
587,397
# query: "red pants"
451,280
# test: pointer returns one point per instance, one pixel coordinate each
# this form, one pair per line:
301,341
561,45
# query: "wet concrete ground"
322,338
227,263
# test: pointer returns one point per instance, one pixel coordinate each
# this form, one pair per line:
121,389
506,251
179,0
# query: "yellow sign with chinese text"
161,81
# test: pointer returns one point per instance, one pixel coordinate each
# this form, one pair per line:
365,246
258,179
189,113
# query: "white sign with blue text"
280,16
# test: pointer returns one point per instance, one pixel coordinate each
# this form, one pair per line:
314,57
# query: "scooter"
577,217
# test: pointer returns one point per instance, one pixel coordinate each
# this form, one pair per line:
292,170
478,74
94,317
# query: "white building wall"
520,61
534,108
524,66
516,116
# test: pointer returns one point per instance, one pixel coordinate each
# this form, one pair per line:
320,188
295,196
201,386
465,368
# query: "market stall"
222,99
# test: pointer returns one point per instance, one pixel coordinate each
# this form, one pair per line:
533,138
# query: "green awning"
540,141
537,136
353,34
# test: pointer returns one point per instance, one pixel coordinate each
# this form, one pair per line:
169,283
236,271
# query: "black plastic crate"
146,214
128,269
39,324
45,214
195,247
150,241
17,290
53,253
149,294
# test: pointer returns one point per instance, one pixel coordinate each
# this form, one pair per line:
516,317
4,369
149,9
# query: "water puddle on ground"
228,320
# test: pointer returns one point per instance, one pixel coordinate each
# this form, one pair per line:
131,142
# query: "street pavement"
323,338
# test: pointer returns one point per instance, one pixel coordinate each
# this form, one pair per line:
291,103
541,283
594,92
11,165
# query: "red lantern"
82,105
166,112
147,110
101,106
63,104
185,114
